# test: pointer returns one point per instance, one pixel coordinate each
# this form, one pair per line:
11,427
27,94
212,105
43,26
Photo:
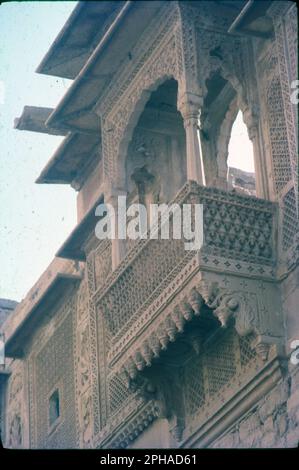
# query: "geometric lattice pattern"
54,370
118,394
102,262
237,232
290,221
278,135
135,285
235,227
194,386
246,351
220,363
206,376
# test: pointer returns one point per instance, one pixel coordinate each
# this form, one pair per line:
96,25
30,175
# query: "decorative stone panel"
16,408
51,368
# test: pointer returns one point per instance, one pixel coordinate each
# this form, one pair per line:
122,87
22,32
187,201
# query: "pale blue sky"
36,219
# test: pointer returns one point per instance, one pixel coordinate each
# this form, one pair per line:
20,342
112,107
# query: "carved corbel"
262,345
238,309
228,306
225,307
163,386
195,300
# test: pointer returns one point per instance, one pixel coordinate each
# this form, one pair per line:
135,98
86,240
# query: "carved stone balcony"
146,302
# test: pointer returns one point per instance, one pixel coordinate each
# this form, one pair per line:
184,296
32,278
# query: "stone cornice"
73,160
69,51
99,70
73,247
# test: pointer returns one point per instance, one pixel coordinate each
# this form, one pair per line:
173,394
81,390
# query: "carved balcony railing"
239,235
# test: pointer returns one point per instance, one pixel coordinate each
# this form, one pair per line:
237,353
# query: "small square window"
54,407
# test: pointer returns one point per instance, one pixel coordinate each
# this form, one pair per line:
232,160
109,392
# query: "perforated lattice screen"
247,353
118,394
290,221
278,135
206,377
54,370
194,392
220,362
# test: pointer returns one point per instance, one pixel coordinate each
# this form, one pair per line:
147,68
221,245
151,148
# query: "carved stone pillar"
189,105
252,122
260,176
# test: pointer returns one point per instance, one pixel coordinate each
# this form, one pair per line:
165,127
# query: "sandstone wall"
274,421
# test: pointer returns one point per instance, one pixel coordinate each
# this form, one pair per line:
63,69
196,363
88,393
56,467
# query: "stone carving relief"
86,420
144,154
275,71
102,262
167,51
244,310
229,306
287,63
82,301
237,230
97,337
165,389
83,356
235,227
51,368
15,423
15,432
247,311
82,367
182,386
144,148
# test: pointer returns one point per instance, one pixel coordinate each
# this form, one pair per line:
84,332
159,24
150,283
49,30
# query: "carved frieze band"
82,367
15,415
151,335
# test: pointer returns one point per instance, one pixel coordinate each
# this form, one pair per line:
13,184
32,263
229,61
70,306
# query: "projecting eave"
33,118
76,154
73,247
76,111
78,38
253,20
48,291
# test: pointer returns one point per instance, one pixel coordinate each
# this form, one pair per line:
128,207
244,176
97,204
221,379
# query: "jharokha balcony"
239,235
162,294
147,343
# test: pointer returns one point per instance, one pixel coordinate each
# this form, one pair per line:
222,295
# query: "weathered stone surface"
292,438
247,429
274,400
146,343
282,424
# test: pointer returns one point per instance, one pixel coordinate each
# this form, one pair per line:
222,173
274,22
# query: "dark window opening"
54,407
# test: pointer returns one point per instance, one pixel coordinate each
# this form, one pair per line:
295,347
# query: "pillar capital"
251,119
190,104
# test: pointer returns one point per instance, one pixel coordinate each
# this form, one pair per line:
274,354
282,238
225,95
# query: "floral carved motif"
15,431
